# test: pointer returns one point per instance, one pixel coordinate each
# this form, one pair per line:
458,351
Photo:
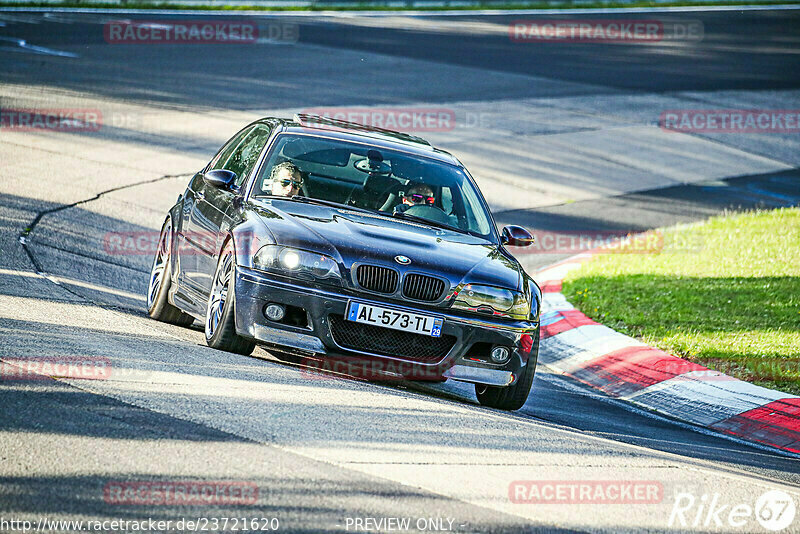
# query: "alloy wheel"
159,265
219,293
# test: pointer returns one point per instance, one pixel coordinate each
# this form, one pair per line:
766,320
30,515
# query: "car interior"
368,178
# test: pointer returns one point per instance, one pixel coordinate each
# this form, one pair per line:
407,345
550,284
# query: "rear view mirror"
220,178
516,236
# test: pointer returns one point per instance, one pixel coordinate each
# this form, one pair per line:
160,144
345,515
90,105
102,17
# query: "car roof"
348,131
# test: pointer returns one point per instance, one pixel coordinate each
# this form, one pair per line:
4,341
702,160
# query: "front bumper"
255,289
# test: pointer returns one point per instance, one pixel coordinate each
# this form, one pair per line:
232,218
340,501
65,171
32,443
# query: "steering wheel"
432,213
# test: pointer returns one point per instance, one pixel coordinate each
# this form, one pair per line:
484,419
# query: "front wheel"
158,306
511,397
220,324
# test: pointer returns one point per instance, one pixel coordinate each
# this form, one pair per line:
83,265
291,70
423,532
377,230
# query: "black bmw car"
331,240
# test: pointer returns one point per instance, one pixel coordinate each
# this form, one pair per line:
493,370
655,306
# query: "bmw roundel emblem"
402,260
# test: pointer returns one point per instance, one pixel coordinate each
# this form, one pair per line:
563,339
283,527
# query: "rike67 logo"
774,510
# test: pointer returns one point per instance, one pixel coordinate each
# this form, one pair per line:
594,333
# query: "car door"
208,217
192,235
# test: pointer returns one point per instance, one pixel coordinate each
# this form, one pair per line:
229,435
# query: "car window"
244,156
225,153
380,179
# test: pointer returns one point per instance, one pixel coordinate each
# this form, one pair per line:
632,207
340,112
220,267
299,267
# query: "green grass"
724,294
366,6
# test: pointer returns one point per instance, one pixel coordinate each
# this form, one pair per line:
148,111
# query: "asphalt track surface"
322,450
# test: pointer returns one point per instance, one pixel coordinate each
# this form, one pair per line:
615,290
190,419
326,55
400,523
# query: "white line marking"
23,46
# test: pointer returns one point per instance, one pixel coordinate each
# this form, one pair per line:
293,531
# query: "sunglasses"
420,199
286,182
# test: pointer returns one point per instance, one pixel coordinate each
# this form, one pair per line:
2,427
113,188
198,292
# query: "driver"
286,179
419,194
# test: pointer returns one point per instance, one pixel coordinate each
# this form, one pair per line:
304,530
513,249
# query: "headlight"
493,300
298,262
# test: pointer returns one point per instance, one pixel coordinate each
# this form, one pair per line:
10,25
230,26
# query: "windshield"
376,179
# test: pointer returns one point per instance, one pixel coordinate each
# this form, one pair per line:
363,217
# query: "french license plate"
398,320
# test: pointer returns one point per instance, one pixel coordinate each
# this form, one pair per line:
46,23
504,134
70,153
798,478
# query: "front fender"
536,296
248,235
176,213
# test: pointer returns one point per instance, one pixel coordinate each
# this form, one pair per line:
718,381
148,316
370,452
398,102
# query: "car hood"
354,237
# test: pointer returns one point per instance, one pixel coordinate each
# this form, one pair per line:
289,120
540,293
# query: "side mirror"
220,178
516,236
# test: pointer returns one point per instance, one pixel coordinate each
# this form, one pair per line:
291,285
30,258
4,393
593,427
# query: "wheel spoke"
159,265
219,295
154,288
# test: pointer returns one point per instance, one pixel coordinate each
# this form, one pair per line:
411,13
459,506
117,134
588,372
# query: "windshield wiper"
322,202
319,201
423,220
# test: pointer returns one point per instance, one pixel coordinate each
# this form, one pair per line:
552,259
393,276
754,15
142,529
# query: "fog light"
275,312
500,355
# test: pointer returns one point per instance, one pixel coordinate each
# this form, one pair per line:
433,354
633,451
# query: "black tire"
220,323
158,306
511,397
